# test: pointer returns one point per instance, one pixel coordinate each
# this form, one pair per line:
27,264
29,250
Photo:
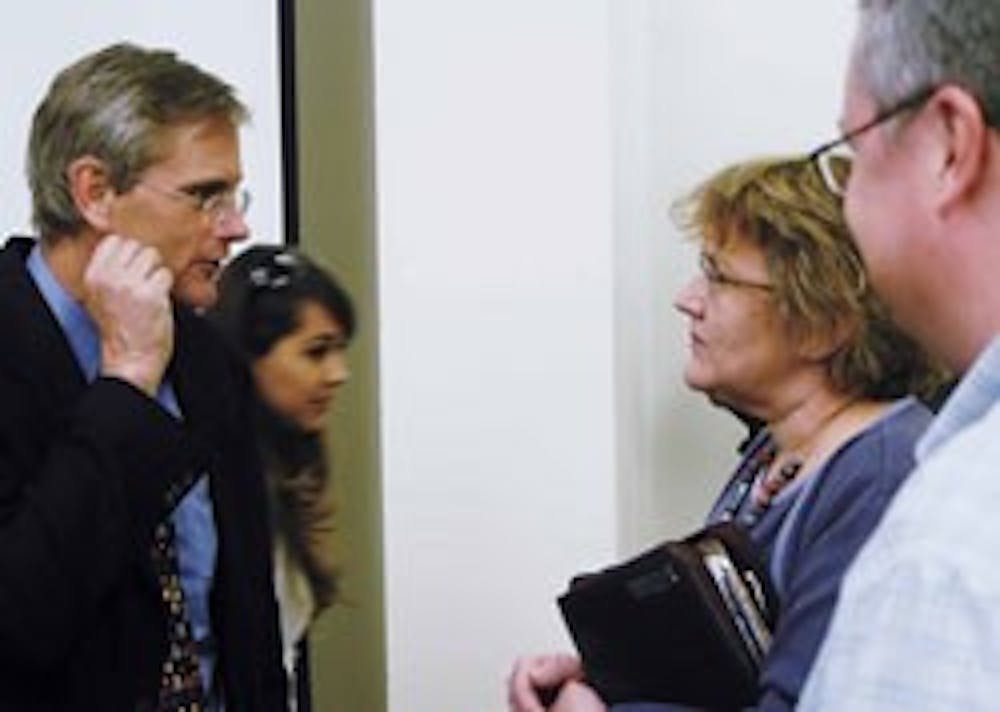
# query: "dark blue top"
809,536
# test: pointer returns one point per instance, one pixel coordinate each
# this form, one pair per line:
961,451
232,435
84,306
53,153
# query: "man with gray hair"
134,546
916,627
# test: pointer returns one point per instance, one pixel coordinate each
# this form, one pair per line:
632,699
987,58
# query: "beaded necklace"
758,480
757,460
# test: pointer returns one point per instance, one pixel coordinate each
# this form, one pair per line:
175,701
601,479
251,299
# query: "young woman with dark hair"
291,321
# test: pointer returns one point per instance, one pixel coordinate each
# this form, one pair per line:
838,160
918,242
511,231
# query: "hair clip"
276,276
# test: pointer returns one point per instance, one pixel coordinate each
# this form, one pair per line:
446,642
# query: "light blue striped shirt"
917,626
194,521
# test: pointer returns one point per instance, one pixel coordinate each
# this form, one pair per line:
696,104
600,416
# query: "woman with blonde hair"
784,328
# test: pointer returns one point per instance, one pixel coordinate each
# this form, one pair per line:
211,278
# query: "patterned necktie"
180,676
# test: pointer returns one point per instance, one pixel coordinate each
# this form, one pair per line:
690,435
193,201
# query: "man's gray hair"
907,46
113,105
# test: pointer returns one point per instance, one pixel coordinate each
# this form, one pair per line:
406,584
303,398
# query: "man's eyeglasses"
832,159
716,278
216,204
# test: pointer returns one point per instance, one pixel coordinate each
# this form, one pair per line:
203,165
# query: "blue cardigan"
810,535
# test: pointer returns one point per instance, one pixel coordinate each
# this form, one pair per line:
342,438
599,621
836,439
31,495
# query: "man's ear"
963,139
90,187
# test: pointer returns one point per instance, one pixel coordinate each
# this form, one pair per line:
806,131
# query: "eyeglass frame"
822,154
215,204
717,278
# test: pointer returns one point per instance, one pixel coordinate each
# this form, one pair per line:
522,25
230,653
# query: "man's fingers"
127,293
161,280
143,261
102,254
115,261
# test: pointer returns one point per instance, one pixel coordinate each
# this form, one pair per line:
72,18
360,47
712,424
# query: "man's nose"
231,226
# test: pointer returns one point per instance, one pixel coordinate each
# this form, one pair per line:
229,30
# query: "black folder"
687,622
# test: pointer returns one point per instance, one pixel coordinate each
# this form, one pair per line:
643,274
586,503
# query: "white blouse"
296,607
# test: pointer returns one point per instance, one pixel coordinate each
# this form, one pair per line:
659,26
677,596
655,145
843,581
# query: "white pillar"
495,278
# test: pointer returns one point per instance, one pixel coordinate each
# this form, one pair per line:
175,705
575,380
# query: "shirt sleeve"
911,635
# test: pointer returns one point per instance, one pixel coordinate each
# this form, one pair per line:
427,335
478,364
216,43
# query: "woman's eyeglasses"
717,278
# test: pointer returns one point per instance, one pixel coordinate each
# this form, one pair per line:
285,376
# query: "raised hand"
126,290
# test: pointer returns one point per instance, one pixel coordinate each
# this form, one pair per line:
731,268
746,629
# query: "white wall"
496,306
698,85
236,39
533,419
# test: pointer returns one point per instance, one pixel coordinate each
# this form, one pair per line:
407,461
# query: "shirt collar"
76,323
977,392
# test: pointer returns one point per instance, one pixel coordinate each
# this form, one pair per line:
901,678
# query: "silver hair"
113,105
907,46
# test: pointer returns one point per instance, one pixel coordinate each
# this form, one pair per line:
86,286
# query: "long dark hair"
261,293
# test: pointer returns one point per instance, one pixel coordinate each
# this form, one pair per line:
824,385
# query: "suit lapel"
43,354
196,382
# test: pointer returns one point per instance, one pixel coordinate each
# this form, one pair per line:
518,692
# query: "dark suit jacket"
83,472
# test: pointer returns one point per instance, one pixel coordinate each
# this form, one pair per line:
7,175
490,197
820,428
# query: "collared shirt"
917,626
194,521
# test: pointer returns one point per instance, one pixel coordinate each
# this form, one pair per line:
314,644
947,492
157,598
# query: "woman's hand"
578,697
532,675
